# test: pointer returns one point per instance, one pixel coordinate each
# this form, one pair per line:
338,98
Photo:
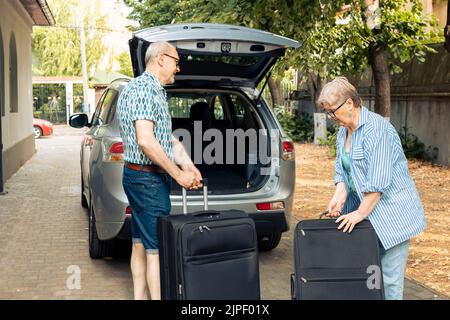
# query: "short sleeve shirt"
144,98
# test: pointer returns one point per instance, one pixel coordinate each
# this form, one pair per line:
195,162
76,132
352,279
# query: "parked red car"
42,128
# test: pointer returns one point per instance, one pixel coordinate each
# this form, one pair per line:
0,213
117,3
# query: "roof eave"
39,11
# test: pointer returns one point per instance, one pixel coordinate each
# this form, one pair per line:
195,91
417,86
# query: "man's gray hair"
337,91
155,48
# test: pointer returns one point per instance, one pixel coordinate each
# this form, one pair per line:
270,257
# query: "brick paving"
43,232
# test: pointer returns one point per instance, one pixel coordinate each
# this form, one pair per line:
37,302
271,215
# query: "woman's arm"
368,203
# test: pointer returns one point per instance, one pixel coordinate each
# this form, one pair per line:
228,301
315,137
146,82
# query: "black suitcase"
333,265
208,255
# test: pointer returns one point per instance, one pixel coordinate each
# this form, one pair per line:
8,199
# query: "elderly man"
151,156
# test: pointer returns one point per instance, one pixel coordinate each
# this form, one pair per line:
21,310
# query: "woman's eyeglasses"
331,112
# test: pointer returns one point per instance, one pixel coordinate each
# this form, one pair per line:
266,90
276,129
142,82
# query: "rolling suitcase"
333,265
208,255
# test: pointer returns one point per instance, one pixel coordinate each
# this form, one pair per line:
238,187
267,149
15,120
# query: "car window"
94,119
218,109
239,110
104,108
112,108
180,106
110,98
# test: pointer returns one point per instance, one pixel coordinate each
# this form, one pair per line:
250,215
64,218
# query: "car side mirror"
79,120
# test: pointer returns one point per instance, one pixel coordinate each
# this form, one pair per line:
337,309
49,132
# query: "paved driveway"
43,236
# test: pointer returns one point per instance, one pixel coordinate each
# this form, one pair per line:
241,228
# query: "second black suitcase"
208,255
333,265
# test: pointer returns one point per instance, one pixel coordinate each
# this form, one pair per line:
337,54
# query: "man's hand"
186,179
349,221
198,176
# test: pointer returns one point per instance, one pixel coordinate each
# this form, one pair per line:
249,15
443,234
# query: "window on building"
13,85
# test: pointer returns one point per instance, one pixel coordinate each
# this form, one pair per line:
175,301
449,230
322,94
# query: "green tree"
150,13
125,64
335,35
57,49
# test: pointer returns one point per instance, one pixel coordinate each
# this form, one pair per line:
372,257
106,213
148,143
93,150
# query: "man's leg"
138,271
153,280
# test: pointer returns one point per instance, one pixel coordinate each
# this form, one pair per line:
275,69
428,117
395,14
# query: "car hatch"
222,53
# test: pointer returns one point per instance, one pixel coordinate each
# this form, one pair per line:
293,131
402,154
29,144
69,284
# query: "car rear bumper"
265,223
47,131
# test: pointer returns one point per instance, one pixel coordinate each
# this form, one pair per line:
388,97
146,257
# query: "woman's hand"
337,202
349,221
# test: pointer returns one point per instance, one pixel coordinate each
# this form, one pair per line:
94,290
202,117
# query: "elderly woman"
372,180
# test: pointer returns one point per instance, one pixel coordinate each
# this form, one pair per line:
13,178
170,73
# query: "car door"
94,134
228,54
87,147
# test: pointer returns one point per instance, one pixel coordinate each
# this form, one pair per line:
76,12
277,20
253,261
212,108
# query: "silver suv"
237,143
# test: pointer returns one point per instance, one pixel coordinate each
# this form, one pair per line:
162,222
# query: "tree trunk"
315,85
275,92
381,76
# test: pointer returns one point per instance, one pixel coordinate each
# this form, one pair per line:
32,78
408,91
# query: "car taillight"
288,149
270,205
116,148
114,152
128,210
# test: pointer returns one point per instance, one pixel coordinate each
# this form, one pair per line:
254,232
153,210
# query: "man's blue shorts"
148,194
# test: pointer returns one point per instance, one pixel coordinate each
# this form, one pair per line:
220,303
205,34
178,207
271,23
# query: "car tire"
98,248
84,202
269,242
37,132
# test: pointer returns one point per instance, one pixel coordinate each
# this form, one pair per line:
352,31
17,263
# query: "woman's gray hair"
155,48
337,91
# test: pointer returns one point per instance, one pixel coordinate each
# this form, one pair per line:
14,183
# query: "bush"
300,128
414,148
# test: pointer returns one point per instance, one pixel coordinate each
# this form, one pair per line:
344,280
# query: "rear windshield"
223,109
229,60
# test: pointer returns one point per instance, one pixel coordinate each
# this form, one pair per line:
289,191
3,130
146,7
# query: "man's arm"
182,159
153,150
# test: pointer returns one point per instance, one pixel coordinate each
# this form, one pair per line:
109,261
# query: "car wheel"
97,248
37,132
269,242
84,202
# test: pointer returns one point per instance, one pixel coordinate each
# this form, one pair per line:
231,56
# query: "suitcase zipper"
333,279
203,227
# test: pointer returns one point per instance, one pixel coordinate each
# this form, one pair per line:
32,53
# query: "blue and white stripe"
378,164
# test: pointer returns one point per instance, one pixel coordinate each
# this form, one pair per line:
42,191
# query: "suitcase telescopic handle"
322,214
205,196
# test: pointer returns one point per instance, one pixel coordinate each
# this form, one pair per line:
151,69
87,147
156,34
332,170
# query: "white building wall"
14,19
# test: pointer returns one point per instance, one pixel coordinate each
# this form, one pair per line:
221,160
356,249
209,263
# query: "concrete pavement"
44,236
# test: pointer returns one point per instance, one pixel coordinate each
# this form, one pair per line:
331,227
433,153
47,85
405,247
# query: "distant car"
42,128
221,67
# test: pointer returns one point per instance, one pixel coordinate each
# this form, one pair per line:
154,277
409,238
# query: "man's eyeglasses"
177,61
331,112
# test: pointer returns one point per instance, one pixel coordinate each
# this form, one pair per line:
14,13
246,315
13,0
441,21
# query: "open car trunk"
210,52
225,138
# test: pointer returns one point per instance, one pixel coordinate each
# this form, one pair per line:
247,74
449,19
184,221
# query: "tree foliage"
56,49
126,67
334,34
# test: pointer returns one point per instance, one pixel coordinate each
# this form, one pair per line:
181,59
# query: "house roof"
39,11
105,77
